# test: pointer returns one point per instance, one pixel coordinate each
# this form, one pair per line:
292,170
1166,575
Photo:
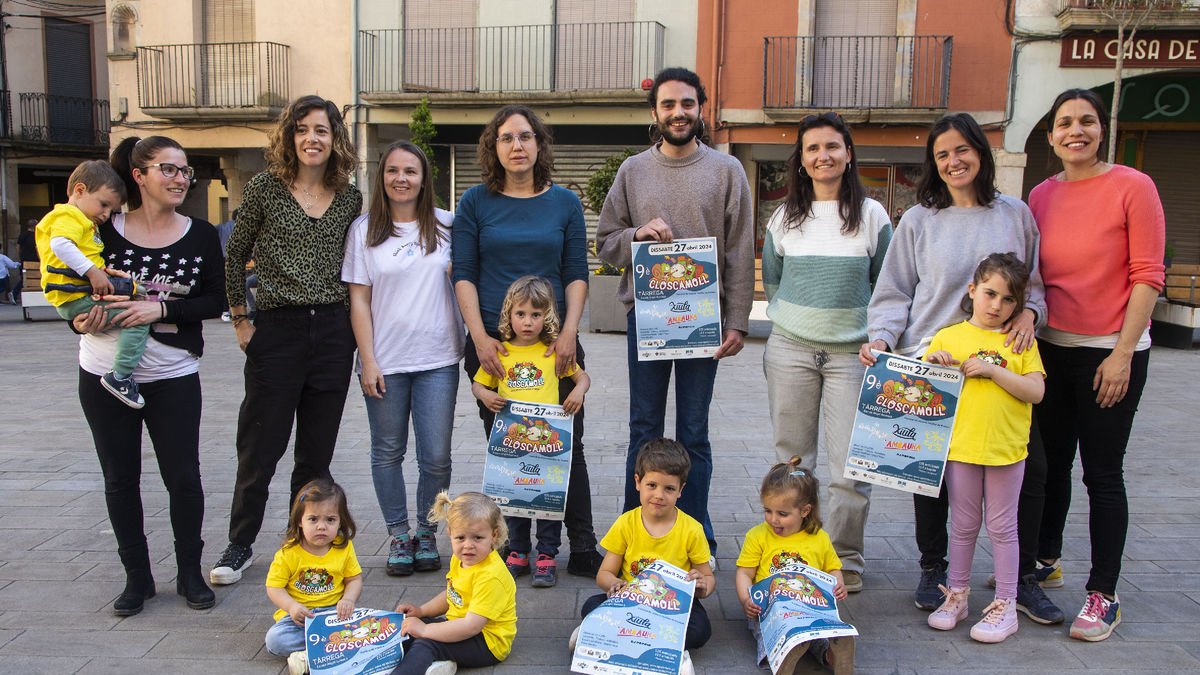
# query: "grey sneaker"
126,390
400,556
545,573
426,558
442,668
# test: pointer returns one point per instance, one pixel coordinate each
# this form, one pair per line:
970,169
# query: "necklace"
310,197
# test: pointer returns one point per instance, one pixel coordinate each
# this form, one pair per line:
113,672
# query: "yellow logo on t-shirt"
453,596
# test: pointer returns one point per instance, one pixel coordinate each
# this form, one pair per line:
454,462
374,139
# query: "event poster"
641,628
676,299
902,428
368,642
797,606
529,460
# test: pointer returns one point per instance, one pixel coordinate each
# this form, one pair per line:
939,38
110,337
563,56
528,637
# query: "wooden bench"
1176,318
1182,286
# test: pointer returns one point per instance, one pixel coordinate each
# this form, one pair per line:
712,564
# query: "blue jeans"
648,382
429,397
286,637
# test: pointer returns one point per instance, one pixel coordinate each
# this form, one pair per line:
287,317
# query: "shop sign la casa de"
1165,49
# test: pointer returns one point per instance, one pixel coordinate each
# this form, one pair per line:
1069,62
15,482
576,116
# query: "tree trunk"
1116,98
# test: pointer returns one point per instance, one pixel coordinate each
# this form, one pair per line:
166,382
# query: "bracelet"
163,312
237,319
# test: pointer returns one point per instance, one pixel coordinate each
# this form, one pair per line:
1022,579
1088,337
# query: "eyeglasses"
828,117
171,170
523,137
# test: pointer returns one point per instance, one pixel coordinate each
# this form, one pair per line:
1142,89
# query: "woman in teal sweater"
823,251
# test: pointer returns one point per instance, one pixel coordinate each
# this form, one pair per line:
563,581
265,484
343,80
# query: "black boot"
191,586
190,582
139,586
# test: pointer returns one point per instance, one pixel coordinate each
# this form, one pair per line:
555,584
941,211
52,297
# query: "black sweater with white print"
189,275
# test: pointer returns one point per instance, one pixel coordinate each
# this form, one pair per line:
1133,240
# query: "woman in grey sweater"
960,220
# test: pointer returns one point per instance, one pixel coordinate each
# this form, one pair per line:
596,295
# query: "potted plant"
605,312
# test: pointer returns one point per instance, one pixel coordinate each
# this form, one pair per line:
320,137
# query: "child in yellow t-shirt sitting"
528,324
68,241
658,530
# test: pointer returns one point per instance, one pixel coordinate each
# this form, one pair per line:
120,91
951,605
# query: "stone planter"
605,312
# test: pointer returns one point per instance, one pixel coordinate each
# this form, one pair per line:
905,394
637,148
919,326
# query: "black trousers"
172,418
1071,418
421,652
297,369
699,628
578,516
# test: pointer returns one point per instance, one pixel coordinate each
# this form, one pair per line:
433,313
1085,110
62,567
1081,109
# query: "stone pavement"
59,571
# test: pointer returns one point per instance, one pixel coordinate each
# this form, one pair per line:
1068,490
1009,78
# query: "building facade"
1069,43
54,110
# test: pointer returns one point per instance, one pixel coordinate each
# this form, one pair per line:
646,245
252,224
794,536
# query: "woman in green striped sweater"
823,251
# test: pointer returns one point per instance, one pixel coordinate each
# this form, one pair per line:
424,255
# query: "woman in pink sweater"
1101,260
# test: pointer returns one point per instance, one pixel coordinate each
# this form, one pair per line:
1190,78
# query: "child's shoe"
400,556
685,664
1097,619
426,558
517,563
442,668
953,610
999,621
126,390
545,573
574,639
584,563
297,663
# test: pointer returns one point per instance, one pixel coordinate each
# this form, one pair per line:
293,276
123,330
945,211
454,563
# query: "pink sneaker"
953,609
1097,619
999,621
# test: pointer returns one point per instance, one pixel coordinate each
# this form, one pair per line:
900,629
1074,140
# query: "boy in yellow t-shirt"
658,530
68,241
528,324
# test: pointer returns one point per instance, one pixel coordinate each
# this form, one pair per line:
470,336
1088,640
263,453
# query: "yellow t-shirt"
991,427
528,375
67,221
683,546
486,589
768,552
313,581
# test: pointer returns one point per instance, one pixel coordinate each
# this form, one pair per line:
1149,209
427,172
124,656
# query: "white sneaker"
297,663
574,639
953,610
685,664
442,668
999,621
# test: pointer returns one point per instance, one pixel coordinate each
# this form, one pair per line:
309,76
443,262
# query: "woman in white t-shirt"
410,340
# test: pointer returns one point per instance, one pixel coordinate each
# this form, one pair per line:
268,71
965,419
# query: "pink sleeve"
1146,226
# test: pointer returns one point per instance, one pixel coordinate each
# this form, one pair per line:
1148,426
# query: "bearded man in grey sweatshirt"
680,188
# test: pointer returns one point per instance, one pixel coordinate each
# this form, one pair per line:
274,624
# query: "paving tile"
87,643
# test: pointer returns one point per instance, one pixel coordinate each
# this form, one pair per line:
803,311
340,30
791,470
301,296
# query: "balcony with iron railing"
594,61
1090,14
905,78
47,120
226,81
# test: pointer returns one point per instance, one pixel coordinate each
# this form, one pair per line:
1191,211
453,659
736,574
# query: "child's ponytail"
469,507
788,477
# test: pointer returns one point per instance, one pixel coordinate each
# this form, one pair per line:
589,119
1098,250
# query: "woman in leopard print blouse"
299,348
